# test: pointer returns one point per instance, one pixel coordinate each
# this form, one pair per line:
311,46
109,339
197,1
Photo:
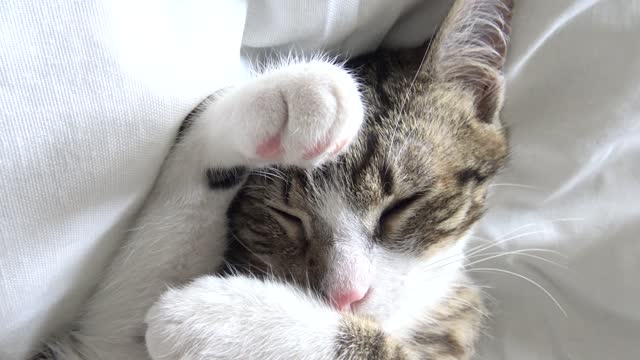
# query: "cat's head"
385,225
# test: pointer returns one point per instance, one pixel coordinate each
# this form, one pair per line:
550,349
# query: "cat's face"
389,218
381,230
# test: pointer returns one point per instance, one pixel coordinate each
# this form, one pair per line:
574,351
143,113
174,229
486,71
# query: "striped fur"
392,213
414,183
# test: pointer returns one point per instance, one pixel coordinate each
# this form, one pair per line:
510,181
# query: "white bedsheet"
91,94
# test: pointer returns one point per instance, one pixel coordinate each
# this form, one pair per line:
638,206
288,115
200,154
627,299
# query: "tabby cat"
348,244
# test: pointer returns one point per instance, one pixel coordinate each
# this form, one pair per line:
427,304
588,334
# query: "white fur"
350,258
424,285
179,237
179,234
403,288
240,318
318,102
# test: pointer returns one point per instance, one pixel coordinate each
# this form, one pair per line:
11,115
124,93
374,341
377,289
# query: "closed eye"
292,224
393,211
285,214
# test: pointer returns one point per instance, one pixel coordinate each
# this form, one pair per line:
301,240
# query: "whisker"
514,237
268,174
465,303
526,279
513,185
306,274
453,258
521,227
518,252
557,253
278,171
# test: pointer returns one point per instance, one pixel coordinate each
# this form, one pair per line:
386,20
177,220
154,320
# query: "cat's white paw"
310,112
301,114
239,318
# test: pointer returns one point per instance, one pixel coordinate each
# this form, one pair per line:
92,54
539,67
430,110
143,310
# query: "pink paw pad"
270,148
322,147
339,146
316,150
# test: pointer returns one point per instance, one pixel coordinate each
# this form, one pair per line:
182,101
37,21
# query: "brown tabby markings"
431,141
360,338
450,333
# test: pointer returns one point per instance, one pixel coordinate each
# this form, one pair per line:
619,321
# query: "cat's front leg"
241,317
299,114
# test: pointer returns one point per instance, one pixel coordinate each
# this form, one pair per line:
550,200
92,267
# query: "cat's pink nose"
346,299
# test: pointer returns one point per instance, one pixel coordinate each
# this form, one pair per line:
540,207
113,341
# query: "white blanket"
92,92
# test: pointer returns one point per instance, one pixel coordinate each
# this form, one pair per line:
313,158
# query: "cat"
349,244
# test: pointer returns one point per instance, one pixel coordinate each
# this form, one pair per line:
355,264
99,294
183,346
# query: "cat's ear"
469,51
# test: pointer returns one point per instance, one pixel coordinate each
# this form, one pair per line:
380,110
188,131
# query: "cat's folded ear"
469,51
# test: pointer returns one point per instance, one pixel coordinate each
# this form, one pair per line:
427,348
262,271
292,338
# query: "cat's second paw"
240,317
301,114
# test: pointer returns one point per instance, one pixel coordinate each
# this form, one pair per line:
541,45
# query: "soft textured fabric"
573,106
92,92
91,95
